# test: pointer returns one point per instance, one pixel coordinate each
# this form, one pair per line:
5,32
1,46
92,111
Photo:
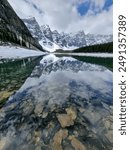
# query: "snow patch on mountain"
48,45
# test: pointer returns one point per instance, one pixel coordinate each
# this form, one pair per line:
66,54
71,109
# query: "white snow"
17,52
69,48
54,47
88,54
51,58
48,47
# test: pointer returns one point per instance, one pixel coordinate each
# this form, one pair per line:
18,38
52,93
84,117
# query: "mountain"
34,27
52,40
12,28
42,34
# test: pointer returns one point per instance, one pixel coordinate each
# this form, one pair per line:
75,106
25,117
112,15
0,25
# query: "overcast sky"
92,16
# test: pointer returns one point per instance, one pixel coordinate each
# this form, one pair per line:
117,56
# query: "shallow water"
13,74
66,103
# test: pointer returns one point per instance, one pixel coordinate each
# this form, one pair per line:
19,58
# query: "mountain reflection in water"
64,104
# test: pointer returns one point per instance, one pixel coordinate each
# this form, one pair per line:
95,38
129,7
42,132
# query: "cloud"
64,15
98,24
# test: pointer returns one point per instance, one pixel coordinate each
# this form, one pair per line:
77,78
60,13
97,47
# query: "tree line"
102,48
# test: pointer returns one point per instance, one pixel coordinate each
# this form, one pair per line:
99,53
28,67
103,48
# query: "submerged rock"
68,119
76,143
38,109
65,120
28,109
4,95
2,143
71,112
57,140
44,115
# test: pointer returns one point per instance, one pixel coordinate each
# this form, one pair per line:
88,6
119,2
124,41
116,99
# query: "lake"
57,102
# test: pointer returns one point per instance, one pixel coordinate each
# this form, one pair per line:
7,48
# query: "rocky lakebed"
65,104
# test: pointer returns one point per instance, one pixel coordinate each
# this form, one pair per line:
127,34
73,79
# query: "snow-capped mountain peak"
53,40
45,27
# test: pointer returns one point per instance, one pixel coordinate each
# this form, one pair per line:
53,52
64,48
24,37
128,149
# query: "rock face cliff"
12,28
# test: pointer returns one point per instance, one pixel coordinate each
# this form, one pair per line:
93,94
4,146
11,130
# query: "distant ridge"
53,40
